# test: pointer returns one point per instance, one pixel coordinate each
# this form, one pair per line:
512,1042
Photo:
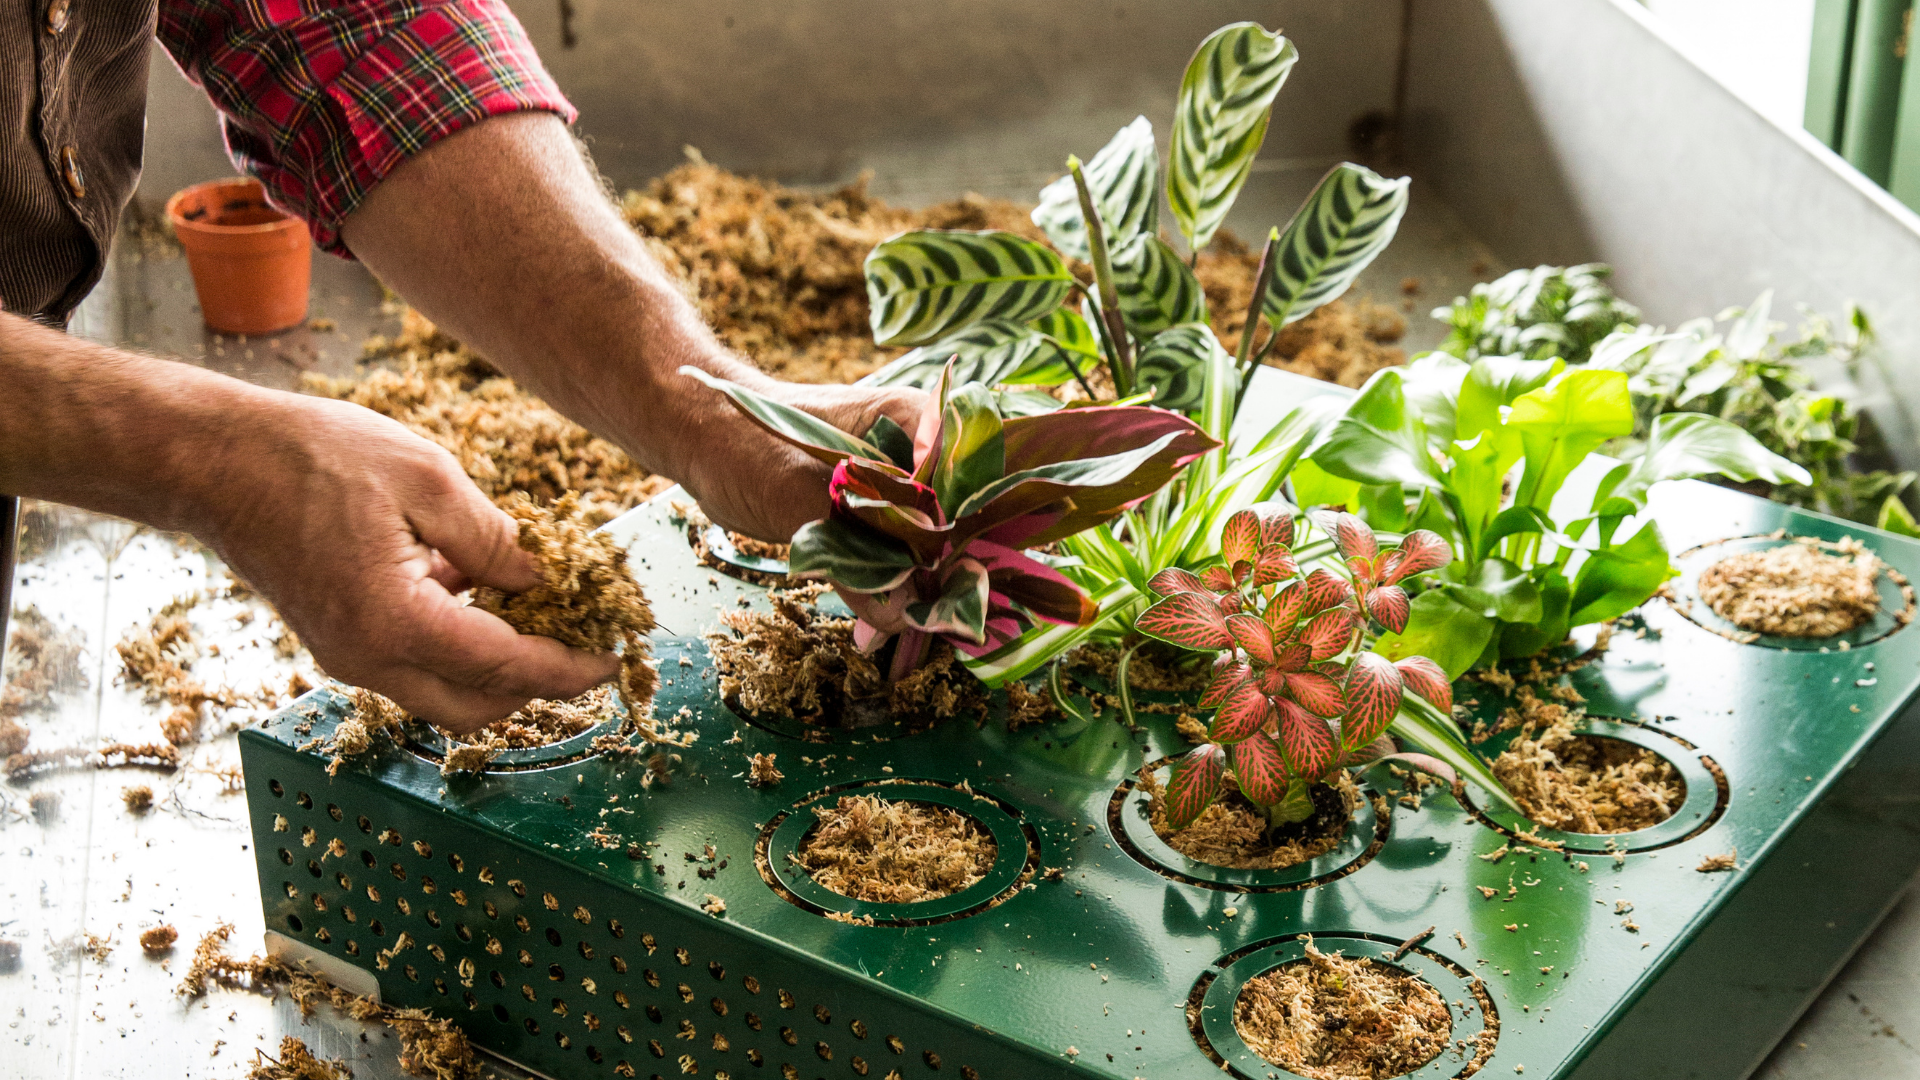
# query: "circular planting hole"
1798,593
1342,1007
1231,846
1599,786
541,735
733,554
795,670
896,853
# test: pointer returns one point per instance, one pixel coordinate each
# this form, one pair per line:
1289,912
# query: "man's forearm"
116,432
501,235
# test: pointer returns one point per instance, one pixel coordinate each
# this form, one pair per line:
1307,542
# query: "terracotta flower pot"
251,263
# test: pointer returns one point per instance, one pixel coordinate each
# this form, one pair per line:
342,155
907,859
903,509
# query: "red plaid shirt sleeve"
321,100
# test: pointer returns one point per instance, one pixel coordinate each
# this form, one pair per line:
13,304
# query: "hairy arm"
502,236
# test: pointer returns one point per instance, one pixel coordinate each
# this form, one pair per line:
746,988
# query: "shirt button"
70,172
57,15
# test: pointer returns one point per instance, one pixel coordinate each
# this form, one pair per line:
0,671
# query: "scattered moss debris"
506,439
894,851
588,598
1233,832
1583,783
761,771
296,1062
1715,864
41,660
1329,1017
1795,590
159,940
139,798
796,663
45,806
429,1047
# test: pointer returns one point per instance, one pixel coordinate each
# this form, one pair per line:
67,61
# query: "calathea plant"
1538,314
1478,453
1296,694
926,536
1003,304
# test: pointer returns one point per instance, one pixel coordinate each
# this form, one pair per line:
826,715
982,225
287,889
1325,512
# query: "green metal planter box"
571,919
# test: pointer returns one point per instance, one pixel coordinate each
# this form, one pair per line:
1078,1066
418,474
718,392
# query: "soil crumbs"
797,663
895,852
1583,783
1329,1017
1233,832
1795,590
296,1062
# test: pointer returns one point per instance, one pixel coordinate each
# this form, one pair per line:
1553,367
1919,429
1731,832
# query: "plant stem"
1244,360
1118,357
1126,692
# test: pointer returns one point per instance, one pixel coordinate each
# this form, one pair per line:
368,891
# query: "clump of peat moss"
41,660
895,852
138,798
1583,783
296,1062
588,597
1330,1017
762,772
1795,590
795,662
159,940
1235,833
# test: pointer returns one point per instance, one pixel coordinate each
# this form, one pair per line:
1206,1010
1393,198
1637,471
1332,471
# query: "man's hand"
357,530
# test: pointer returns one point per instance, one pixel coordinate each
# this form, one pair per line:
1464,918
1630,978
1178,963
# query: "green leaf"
973,450
1615,580
1173,365
893,441
1155,288
1897,519
1347,221
1476,480
1564,421
1378,440
1492,384
1496,588
1514,521
1435,732
925,284
1066,328
1683,445
1431,383
1315,486
861,560
1556,597
804,430
991,352
1124,178
1443,630
1220,121
1295,805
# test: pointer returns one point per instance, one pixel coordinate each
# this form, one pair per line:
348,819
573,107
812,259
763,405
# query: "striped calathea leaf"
999,352
926,284
1296,695
1220,120
1155,287
1348,220
934,548
1173,365
1124,179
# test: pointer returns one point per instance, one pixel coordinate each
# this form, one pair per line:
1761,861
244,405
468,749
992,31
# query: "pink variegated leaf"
1189,620
1242,570
1252,635
1271,680
1231,603
1261,769
1273,563
1374,689
1227,674
1240,537
1325,589
1422,550
1360,568
1198,778
1307,742
1276,529
1293,656
1316,693
1285,608
1348,533
1175,580
1242,714
1217,578
1329,634
1332,669
1428,679
1390,607
1370,753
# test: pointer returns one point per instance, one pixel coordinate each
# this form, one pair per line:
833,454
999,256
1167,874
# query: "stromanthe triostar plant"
926,536
1297,696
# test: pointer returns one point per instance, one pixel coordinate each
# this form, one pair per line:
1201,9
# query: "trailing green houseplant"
1478,453
1296,695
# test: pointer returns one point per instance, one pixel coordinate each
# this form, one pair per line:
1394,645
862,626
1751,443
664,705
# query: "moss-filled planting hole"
1331,1017
1589,784
1803,589
736,555
891,851
1234,833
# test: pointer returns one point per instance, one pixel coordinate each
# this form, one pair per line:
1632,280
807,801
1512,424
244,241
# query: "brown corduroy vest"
73,99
